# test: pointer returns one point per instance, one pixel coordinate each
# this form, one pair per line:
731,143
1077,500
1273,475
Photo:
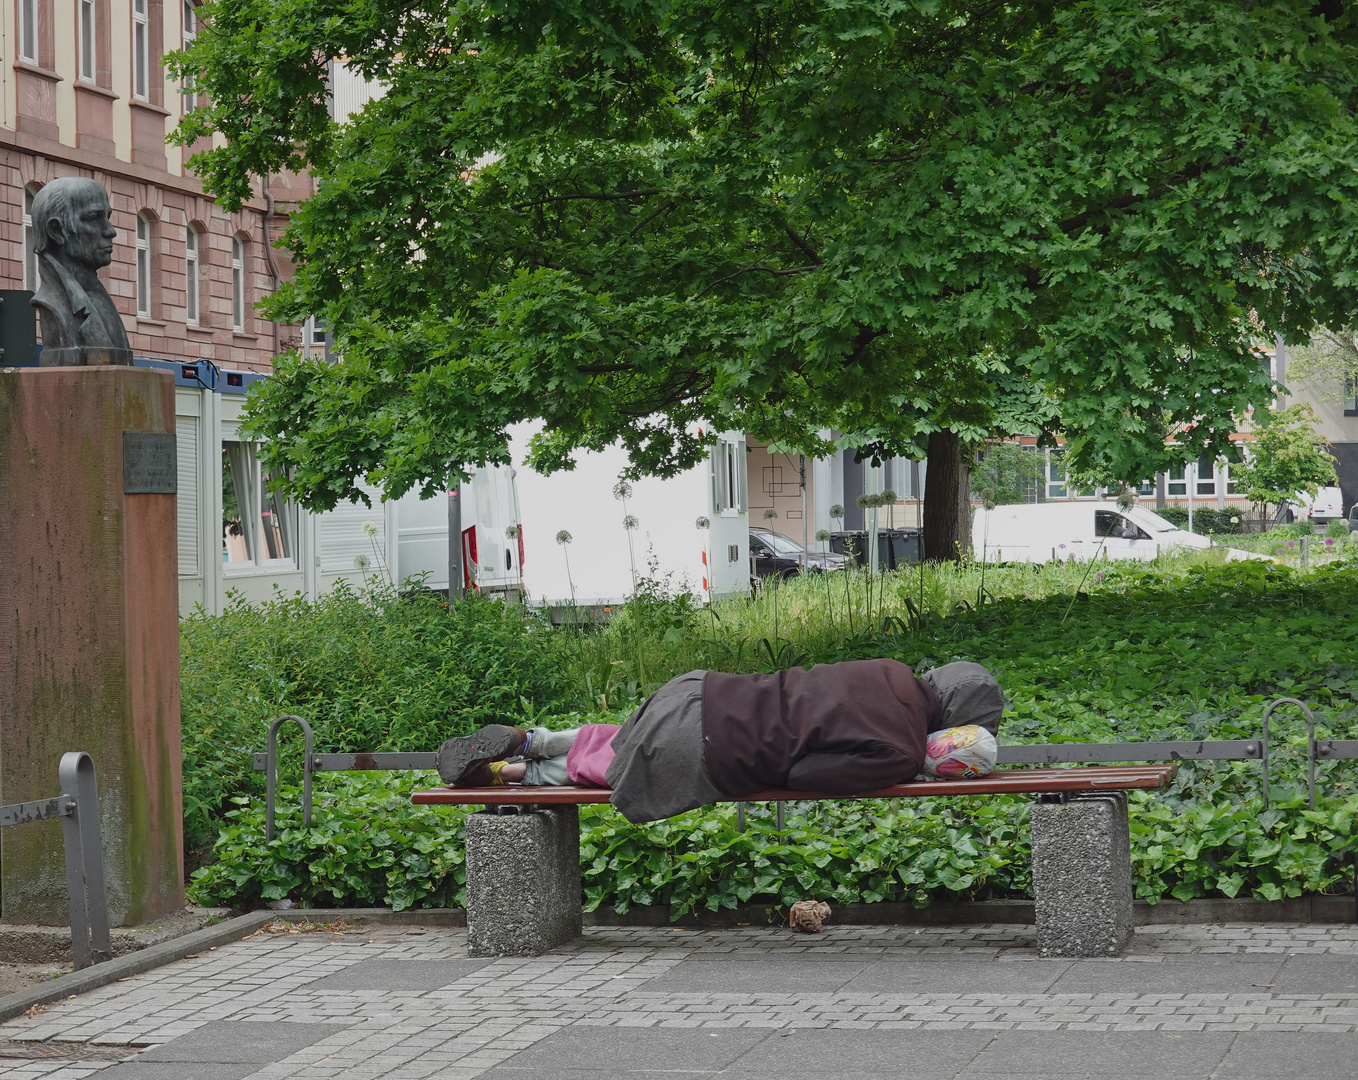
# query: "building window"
257,528
237,283
1056,475
1178,482
143,266
28,31
86,31
31,279
191,276
313,333
141,32
728,478
1351,395
190,36
1207,476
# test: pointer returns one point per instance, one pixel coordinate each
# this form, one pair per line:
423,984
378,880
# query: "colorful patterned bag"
959,753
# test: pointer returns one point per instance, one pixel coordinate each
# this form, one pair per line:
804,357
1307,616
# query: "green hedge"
370,845
371,670
1138,653
1207,519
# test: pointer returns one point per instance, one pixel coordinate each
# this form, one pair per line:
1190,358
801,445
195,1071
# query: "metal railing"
78,807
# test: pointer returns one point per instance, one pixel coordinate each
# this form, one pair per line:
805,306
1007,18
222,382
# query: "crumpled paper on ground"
808,916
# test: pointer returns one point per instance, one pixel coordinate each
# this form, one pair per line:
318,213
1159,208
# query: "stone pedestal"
1082,875
89,630
523,881
85,357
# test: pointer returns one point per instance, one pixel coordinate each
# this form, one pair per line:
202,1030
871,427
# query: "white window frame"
190,35
1055,481
141,50
313,333
143,266
87,40
1205,480
192,312
32,276
254,504
28,31
728,478
237,284
1177,480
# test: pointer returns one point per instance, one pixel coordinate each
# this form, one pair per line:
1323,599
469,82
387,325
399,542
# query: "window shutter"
340,538
186,502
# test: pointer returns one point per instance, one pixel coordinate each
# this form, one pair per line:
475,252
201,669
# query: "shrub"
369,845
1206,519
1337,530
370,670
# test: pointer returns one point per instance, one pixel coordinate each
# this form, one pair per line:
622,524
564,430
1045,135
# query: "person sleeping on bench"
835,729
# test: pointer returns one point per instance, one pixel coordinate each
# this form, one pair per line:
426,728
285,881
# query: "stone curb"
1303,909
153,956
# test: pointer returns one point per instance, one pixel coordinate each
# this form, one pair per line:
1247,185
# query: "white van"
1326,506
1041,532
492,559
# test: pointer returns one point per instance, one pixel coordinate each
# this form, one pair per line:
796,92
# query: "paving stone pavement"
1220,1002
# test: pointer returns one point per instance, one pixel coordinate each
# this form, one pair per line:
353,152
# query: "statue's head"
71,218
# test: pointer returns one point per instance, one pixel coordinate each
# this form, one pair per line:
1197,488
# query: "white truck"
1042,532
603,560
488,510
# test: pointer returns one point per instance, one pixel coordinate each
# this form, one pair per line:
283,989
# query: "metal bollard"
271,773
85,885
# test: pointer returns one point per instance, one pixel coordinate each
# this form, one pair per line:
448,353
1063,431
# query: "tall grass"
663,632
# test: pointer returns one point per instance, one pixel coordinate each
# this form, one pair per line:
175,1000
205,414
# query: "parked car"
1353,518
776,555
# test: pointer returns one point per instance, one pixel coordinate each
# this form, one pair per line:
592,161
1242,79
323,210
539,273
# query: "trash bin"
896,548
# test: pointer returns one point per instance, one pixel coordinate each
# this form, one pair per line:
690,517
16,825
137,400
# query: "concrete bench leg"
523,881
1082,875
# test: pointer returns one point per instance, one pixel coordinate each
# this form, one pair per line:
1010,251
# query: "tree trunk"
947,499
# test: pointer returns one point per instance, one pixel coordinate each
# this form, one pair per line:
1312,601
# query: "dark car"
776,555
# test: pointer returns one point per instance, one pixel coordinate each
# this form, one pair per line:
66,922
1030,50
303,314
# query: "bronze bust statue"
73,238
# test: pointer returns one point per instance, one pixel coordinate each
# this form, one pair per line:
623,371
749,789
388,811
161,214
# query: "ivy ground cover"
1137,654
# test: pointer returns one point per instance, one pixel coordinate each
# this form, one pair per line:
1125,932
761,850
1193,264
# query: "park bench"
523,854
523,873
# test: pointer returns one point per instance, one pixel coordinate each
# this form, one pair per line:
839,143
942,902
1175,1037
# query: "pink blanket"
591,754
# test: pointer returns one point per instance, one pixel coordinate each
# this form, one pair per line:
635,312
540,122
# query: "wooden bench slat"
999,782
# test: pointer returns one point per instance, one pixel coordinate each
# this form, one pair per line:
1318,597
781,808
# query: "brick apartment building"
83,93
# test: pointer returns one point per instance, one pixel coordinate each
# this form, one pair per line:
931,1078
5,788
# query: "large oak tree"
639,219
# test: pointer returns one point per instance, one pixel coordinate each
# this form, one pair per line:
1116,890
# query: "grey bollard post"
90,942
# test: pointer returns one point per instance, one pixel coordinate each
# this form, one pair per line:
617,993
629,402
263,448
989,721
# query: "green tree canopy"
642,218
1287,457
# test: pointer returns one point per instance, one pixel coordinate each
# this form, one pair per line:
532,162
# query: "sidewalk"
1188,1002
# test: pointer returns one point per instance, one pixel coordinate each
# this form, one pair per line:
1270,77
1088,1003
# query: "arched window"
31,279
237,283
191,276
143,266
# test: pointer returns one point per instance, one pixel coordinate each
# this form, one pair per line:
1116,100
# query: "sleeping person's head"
967,694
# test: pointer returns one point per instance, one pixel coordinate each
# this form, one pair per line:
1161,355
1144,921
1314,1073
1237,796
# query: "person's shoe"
494,742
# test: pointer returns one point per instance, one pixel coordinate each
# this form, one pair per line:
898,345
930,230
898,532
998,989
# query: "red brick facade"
56,123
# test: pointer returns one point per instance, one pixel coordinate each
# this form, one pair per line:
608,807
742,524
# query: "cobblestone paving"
406,1003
